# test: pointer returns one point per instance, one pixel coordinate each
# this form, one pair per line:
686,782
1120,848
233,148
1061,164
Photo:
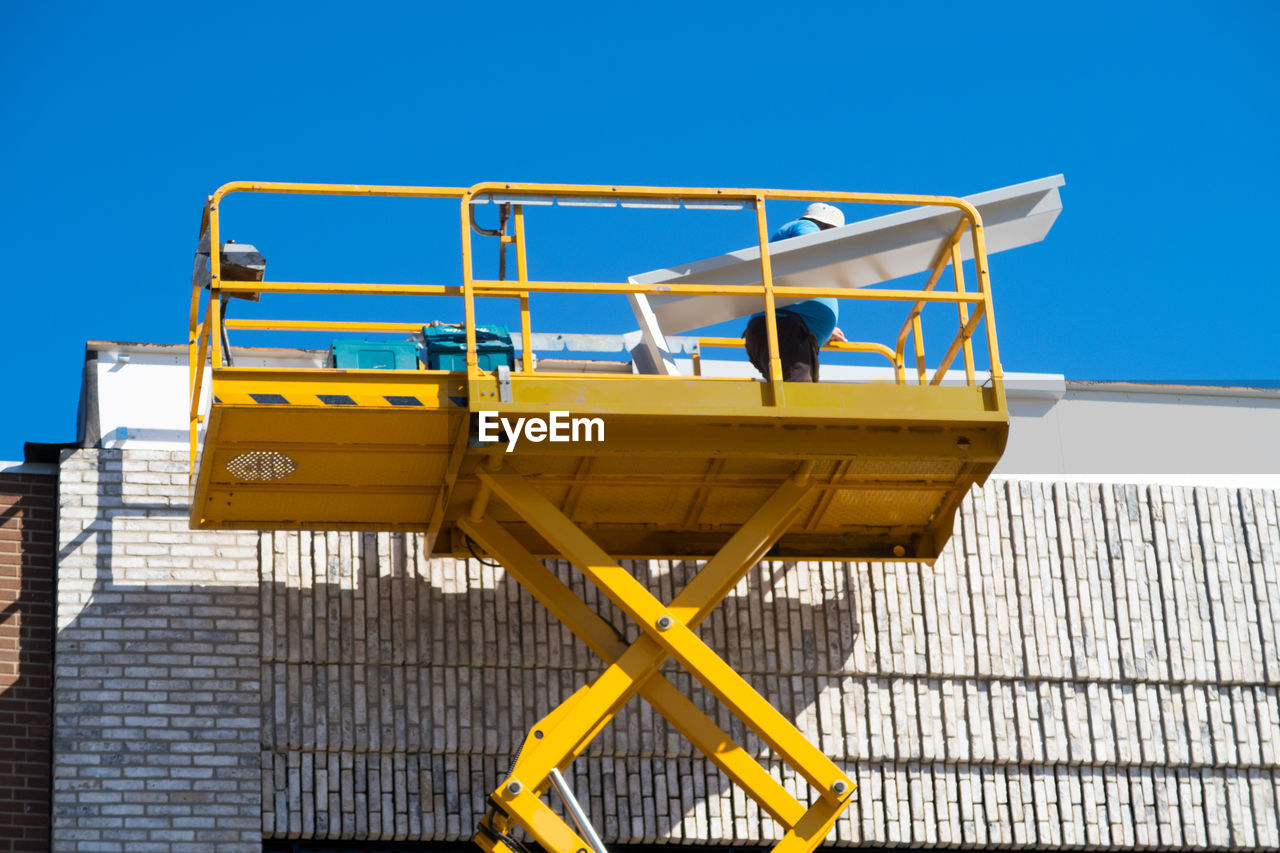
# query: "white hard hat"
824,214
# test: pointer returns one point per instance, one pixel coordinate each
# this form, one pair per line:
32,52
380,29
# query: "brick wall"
1084,666
27,505
156,705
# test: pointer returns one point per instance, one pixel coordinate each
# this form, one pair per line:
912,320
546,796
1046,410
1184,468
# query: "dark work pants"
796,346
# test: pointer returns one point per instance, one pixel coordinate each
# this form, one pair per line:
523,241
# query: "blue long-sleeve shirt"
819,315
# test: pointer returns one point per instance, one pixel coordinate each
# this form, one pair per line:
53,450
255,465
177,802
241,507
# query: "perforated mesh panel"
258,465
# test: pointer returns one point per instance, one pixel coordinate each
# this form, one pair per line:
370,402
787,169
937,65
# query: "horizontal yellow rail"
339,287
832,346
515,288
323,326
334,189
604,192
488,287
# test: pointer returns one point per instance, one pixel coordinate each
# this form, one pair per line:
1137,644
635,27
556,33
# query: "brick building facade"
157,698
28,504
1087,665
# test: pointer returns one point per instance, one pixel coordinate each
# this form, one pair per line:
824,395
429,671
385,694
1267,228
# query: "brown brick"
26,590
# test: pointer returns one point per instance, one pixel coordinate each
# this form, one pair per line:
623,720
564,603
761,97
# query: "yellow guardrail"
831,346
207,327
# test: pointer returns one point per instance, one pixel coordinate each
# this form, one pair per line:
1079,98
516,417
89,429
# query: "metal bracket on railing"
504,383
475,226
222,331
504,214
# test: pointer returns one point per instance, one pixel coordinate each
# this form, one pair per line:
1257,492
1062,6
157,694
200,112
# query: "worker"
804,327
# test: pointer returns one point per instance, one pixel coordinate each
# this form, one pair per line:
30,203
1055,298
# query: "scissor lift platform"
683,463
726,469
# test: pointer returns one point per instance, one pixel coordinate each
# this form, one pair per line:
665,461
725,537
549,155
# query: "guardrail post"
469,301
770,314
957,270
214,326
984,287
194,331
522,275
917,334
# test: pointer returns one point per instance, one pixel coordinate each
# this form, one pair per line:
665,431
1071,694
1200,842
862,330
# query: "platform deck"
683,463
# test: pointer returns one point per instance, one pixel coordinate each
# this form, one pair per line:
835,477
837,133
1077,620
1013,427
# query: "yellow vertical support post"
957,269
770,314
469,300
214,327
984,287
917,334
197,372
522,275
193,371
193,335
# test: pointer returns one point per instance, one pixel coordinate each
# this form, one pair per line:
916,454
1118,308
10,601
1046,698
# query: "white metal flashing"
1264,482
1177,389
28,468
861,253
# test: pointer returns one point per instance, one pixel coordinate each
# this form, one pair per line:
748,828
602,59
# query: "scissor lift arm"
667,631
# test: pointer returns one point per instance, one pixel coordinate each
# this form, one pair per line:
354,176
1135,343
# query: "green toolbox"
374,355
446,347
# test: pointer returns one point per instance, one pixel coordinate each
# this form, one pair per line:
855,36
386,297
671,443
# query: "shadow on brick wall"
397,693
156,705
376,697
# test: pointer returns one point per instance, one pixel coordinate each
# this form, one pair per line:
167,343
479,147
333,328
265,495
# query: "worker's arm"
837,336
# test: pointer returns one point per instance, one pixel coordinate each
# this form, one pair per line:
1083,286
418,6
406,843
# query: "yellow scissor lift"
729,470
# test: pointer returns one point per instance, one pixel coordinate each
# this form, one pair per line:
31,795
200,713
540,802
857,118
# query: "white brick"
135,649
1039,629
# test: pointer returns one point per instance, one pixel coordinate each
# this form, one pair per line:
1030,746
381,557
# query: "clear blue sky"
118,119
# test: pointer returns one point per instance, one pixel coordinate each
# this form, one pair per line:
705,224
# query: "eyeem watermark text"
560,426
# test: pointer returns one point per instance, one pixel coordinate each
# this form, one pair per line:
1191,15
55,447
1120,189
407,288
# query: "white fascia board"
1173,390
1018,386
1264,482
141,353
870,251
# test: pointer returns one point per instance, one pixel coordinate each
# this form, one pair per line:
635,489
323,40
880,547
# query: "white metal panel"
144,390
861,253
142,400
654,343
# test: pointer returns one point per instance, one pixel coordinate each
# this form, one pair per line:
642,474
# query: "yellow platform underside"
683,463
